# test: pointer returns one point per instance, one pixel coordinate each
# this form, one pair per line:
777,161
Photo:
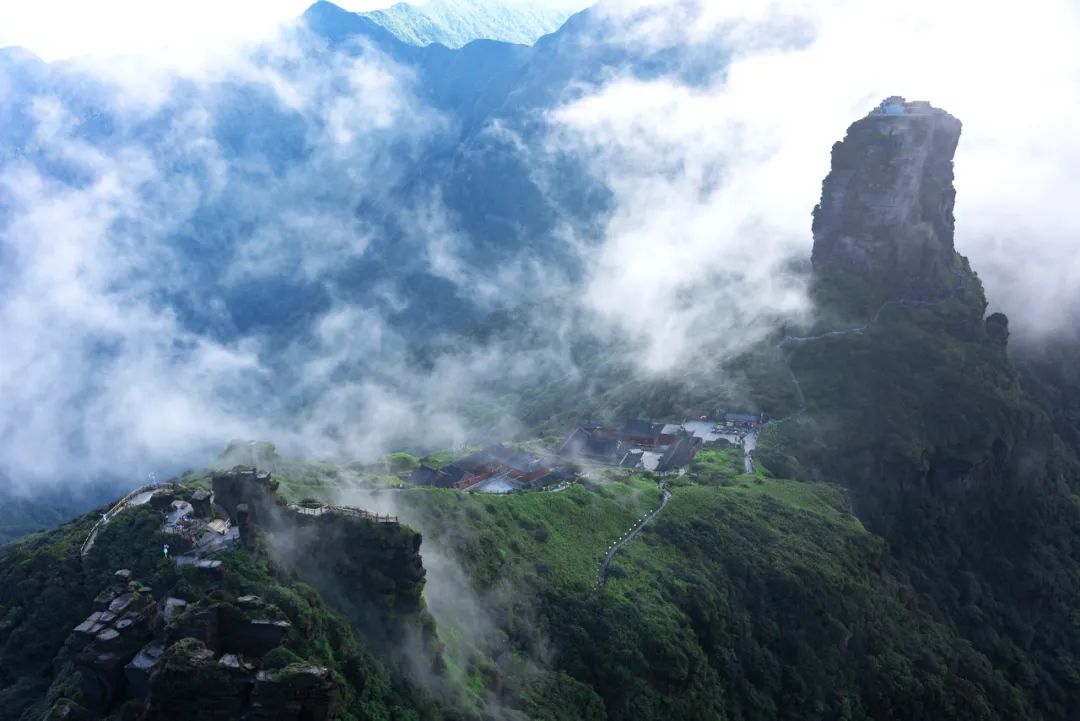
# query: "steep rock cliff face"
919,411
922,399
192,683
367,566
886,208
201,661
371,571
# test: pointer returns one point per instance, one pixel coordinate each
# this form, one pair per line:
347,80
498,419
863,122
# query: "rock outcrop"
228,688
246,486
250,628
368,566
886,208
190,671
298,691
111,637
191,661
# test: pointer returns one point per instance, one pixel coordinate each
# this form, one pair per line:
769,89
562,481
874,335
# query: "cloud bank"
250,248
127,258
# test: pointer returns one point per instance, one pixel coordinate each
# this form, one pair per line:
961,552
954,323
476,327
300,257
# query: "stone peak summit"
886,208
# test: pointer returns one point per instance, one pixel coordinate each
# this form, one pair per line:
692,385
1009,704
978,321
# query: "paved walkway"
136,498
601,574
749,443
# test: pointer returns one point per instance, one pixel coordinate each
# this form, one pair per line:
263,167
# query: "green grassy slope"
553,538
747,597
764,600
757,597
952,592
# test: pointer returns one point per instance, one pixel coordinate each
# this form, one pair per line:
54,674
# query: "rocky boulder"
67,710
161,500
202,501
250,628
298,692
997,329
190,683
109,639
137,671
173,608
199,621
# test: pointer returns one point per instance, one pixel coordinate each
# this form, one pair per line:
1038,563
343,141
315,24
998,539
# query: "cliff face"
371,571
922,399
368,566
886,207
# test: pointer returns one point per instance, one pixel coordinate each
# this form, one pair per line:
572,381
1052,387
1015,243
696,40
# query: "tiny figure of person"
166,550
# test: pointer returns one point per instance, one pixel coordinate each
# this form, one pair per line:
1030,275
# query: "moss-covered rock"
190,683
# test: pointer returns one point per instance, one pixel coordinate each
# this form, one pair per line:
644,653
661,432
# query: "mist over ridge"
249,250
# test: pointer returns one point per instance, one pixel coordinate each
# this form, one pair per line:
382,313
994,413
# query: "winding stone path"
601,574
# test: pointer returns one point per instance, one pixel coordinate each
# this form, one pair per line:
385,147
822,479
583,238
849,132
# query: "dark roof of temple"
642,429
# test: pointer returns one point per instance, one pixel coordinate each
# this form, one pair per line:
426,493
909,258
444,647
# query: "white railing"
346,511
112,512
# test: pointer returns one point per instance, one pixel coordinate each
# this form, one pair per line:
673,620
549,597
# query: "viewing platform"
345,511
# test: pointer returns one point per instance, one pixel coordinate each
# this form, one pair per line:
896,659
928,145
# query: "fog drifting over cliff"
779,107
121,355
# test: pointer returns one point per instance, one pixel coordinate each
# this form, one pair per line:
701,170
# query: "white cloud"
56,29
122,352
712,182
89,359
103,371
694,250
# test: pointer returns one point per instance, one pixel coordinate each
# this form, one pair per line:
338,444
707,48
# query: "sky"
169,32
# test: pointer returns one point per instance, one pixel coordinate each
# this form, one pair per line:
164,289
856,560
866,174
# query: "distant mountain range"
455,23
